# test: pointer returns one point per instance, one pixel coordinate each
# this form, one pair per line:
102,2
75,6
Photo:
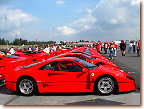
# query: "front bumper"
126,86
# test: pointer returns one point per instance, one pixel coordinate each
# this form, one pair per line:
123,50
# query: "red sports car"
86,51
67,75
96,61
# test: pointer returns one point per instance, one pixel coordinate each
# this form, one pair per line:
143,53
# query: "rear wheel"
105,85
26,86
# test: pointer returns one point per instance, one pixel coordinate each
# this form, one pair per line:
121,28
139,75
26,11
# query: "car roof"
50,60
62,59
73,53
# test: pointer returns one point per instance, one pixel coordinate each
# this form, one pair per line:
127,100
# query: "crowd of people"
107,47
111,48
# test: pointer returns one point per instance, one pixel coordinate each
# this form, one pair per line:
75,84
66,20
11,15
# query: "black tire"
105,85
26,86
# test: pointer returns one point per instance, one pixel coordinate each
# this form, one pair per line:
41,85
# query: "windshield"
90,58
86,64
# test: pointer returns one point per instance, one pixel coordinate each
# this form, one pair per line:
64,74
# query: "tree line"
20,41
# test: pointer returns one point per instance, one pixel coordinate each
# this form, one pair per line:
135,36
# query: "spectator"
130,48
134,44
98,47
115,48
105,47
12,51
32,49
5,51
108,47
47,49
123,47
111,48
53,48
138,49
29,48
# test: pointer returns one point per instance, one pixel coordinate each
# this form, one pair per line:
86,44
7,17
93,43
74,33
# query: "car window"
51,66
77,67
69,66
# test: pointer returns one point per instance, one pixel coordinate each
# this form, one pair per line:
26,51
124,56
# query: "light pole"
6,31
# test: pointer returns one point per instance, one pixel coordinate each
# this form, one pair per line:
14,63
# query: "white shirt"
47,50
130,45
12,51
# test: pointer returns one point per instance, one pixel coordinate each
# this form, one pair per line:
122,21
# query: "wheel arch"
104,75
26,76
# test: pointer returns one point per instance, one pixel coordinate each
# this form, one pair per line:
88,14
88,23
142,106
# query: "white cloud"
77,26
109,20
60,2
15,17
16,20
65,30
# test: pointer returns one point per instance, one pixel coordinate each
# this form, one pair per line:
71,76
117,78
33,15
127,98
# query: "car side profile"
67,75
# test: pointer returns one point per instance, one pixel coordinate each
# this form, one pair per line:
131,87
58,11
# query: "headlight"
0,76
130,78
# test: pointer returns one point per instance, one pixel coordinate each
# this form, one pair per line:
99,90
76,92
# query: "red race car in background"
11,61
96,61
86,51
68,75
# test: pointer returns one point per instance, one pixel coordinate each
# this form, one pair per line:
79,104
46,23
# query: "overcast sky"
70,20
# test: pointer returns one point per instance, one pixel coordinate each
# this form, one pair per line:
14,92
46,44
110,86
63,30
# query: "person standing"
115,48
32,49
130,48
123,47
111,48
105,47
138,49
29,48
47,49
98,47
108,47
134,44
12,51
5,51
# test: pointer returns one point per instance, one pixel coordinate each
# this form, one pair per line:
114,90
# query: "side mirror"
84,70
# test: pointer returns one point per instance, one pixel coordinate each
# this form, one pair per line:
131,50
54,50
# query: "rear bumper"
126,86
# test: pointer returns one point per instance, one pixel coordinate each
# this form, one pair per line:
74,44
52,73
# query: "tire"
26,86
105,85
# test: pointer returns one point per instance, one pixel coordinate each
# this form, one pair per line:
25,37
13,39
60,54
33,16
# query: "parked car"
67,75
96,61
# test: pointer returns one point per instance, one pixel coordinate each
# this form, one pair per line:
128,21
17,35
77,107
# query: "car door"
67,77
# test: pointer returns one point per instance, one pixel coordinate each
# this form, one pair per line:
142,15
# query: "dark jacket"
122,46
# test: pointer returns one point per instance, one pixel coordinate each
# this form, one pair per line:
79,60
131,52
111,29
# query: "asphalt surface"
130,63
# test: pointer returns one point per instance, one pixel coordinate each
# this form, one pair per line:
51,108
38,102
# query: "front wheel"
105,85
26,86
